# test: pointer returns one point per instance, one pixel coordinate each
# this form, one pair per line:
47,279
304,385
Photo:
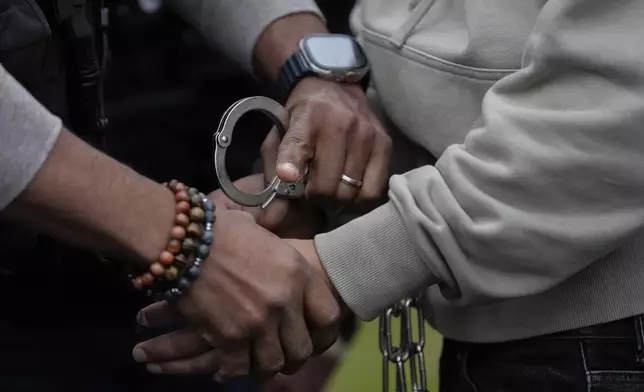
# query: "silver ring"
351,182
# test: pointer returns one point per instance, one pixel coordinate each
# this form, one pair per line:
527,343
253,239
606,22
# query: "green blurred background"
361,369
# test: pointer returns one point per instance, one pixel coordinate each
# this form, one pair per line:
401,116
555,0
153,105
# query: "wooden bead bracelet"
179,264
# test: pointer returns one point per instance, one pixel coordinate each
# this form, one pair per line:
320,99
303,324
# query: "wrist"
335,58
160,224
308,251
187,244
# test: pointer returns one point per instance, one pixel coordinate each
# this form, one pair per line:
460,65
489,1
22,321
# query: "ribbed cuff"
372,261
28,132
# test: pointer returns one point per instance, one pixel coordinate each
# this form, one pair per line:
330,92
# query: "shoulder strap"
84,71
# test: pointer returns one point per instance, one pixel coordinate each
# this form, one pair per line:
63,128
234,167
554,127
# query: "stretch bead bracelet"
190,273
179,264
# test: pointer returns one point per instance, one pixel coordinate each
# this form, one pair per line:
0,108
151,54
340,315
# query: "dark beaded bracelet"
189,274
179,264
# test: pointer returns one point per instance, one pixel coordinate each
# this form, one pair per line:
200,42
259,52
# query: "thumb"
296,148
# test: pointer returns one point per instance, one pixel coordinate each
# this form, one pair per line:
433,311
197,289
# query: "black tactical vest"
31,51
35,47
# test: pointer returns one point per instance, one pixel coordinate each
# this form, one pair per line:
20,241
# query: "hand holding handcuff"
222,139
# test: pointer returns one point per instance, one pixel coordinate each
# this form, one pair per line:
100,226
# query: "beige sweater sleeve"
233,26
553,181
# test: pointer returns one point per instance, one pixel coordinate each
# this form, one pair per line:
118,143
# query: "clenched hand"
258,304
334,132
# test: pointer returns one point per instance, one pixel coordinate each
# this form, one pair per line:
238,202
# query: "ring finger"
326,167
359,147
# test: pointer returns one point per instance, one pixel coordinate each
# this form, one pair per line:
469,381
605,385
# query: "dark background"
166,91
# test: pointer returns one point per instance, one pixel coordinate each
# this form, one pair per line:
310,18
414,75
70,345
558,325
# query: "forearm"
234,26
280,40
82,196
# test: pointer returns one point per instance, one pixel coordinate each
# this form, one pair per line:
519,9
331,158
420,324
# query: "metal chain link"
408,354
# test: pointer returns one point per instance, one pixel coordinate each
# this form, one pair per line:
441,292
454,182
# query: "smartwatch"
334,57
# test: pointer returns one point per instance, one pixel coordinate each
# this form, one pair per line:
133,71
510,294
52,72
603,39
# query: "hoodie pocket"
450,35
432,96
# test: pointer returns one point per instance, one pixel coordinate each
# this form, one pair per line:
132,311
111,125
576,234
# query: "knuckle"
233,332
385,141
364,133
303,353
345,194
279,299
271,367
255,320
295,271
369,194
332,319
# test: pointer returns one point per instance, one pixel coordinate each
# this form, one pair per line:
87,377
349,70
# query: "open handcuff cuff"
222,139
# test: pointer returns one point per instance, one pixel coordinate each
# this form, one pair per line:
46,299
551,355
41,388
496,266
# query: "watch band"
296,68
293,70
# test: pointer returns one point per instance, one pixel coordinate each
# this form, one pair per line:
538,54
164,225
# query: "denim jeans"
602,358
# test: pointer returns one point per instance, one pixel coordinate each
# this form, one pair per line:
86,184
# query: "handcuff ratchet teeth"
222,139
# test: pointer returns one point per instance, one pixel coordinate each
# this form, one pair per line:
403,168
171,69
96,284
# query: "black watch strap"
293,70
296,69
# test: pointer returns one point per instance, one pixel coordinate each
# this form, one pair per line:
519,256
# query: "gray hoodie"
531,220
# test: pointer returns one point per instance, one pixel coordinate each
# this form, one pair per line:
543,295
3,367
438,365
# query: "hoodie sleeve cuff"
372,261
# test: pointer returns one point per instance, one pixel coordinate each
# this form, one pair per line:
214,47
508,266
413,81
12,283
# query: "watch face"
334,52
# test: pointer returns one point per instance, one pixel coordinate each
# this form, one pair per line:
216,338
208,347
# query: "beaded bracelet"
179,264
189,274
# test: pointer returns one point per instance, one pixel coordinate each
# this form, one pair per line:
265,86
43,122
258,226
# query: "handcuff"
222,139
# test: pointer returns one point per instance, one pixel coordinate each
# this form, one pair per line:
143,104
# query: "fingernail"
154,368
141,319
139,354
289,169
